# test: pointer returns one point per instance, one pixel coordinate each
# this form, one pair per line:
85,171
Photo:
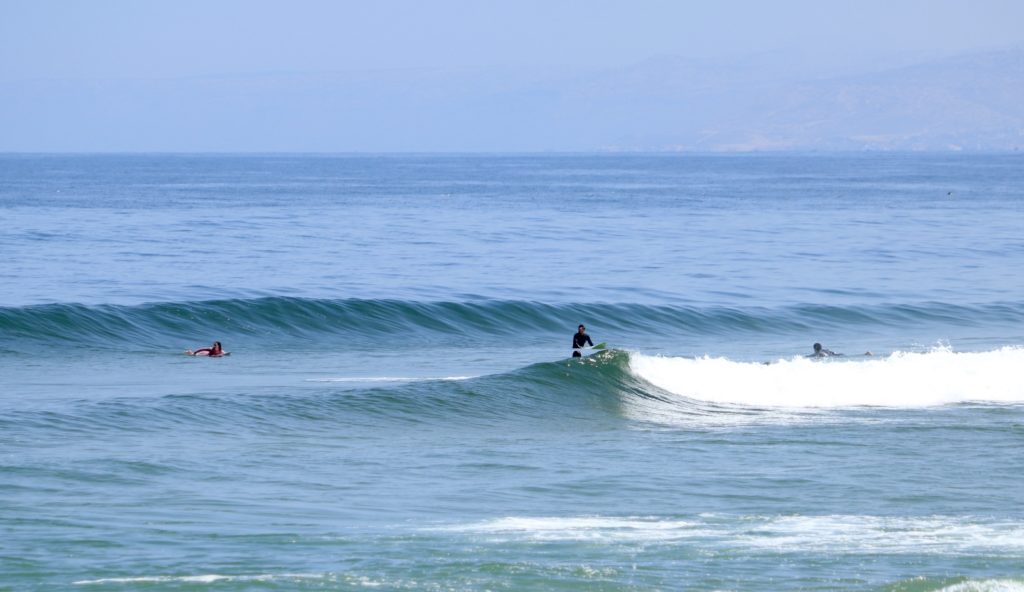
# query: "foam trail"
861,534
590,528
986,586
938,377
201,579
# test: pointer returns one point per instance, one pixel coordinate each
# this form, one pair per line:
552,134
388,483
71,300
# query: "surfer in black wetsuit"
820,352
579,340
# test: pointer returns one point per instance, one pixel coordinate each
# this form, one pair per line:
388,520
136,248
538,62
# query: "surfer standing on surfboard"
579,340
214,351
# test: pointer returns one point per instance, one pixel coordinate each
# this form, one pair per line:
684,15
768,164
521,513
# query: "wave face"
421,360
570,390
273,320
609,387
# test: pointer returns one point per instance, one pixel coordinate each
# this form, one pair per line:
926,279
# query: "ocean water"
400,412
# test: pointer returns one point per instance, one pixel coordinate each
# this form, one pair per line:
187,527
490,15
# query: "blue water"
399,411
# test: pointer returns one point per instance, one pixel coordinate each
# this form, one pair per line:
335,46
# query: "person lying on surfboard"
579,340
214,351
820,352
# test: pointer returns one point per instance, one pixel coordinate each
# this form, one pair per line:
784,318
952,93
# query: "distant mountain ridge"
756,103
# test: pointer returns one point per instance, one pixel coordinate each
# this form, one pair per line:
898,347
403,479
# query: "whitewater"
901,379
400,410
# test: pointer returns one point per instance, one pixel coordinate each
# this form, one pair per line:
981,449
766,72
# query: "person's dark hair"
582,327
817,347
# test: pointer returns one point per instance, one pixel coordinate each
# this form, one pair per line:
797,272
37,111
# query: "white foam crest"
937,377
583,528
939,535
201,579
985,586
838,534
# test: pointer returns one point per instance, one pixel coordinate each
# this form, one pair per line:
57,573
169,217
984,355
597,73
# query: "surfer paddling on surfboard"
214,351
579,340
820,352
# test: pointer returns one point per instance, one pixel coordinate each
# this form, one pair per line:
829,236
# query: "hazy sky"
515,75
157,38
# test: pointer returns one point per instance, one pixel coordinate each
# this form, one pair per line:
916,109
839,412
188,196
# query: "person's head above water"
581,329
817,347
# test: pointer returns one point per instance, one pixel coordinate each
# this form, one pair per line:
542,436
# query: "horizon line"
484,153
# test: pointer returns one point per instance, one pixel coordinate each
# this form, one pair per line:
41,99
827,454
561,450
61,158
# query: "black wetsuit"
578,341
